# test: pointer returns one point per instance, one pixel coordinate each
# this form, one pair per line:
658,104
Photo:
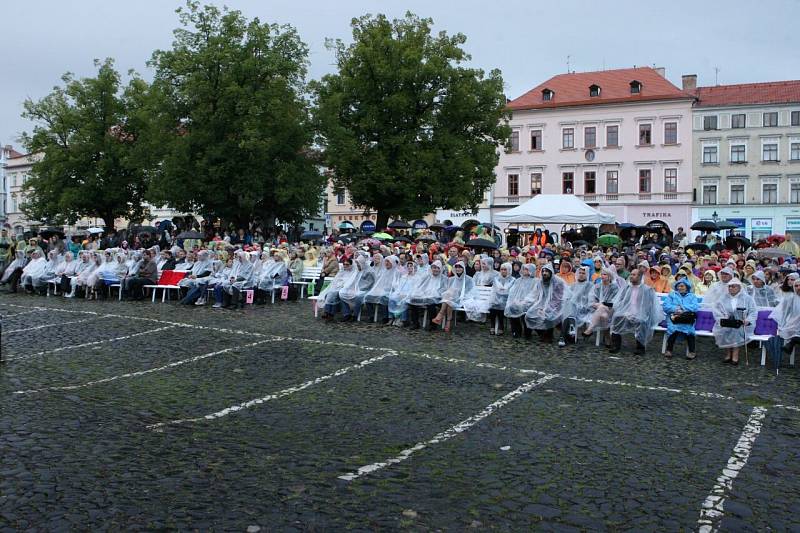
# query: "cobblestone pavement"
151,416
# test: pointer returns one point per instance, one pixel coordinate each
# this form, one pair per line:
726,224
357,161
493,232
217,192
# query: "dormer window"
594,90
547,95
636,87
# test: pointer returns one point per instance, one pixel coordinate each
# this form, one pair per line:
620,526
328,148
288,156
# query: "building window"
737,193
589,183
795,118
670,183
536,139
709,194
568,138
769,193
14,201
670,133
14,179
739,120
612,184
536,183
771,119
513,184
513,143
547,95
794,151
645,134
794,193
590,137
644,181
567,182
770,152
738,153
594,90
340,198
710,122
636,87
710,154
612,136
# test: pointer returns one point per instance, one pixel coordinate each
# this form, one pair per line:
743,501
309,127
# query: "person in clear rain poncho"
378,295
602,300
86,265
401,293
329,297
762,294
200,268
474,305
787,316
228,292
217,273
637,310
500,289
13,271
459,285
427,295
718,289
578,308
352,294
735,315
520,298
33,270
64,271
547,310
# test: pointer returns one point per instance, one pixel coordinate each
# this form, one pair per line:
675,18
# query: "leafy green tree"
231,120
88,166
406,127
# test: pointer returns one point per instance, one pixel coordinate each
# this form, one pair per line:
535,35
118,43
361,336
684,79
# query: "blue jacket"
688,302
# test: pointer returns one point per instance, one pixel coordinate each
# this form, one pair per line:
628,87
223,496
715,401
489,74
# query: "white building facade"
747,156
621,140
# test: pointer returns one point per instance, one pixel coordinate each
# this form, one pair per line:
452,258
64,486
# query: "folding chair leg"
164,292
597,339
763,353
664,344
791,357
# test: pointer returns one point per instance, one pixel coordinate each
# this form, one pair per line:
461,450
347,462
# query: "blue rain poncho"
637,310
520,297
549,297
458,286
741,307
675,302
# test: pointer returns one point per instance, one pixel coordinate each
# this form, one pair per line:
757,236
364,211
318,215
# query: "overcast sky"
749,41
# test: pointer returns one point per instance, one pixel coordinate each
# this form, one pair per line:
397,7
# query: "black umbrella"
437,227
579,243
705,225
190,235
627,225
136,230
451,229
470,223
481,243
402,238
426,238
698,247
46,233
725,224
734,240
399,224
310,236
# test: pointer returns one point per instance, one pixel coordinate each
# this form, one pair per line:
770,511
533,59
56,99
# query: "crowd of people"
551,291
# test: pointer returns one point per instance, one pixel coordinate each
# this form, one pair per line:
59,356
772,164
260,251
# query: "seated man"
547,309
637,310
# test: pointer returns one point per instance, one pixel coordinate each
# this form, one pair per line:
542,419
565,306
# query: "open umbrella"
403,238
426,238
627,225
725,224
346,225
732,243
308,236
481,243
382,236
608,240
698,247
705,225
399,224
46,233
190,235
579,243
437,227
136,230
773,253
95,230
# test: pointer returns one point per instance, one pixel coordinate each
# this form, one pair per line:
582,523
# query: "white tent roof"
555,209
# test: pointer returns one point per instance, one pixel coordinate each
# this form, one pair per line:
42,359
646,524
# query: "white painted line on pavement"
84,345
280,394
145,372
713,506
479,364
789,407
652,387
448,434
37,310
56,324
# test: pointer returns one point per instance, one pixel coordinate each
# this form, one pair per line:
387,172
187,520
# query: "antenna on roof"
716,75
568,63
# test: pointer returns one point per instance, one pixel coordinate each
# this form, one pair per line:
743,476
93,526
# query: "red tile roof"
13,153
573,89
774,92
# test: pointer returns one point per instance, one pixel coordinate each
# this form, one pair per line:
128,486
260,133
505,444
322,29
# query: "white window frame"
508,183
605,135
730,151
531,174
771,181
703,149
703,122
596,137
531,130
664,179
793,181
793,140
563,129
639,129
774,141
677,132
518,131
737,181
709,183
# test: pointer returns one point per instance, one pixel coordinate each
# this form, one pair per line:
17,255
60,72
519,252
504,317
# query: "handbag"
730,323
687,317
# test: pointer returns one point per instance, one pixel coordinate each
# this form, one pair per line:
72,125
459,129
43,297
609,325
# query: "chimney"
661,71
689,82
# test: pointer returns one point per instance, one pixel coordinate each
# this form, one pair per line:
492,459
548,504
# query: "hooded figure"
430,289
719,289
486,275
579,299
35,270
200,268
708,280
787,315
520,297
735,304
501,287
547,309
352,294
116,271
401,291
680,300
274,273
329,297
19,262
386,279
761,293
637,310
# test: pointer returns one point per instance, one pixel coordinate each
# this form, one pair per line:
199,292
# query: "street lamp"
714,217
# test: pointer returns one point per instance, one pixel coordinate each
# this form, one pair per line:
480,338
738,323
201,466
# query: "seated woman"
708,280
787,316
761,293
601,301
87,263
474,305
520,298
401,293
111,275
296,266
578,308
65,271
219,272
735,313
427,295
228,293
677,305
459,285
547,310
352,294
329,297
500,289
272,276
378,295
201,268
34,270
14,270
565,272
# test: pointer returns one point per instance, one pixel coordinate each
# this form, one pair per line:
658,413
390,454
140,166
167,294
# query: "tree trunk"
108,221
382,220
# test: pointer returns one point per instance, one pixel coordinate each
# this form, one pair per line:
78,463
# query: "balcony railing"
622,198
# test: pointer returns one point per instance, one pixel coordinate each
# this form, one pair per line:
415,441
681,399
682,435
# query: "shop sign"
420,224
792,223
368,226
741,223
761,223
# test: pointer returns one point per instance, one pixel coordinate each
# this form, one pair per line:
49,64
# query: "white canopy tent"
554,209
